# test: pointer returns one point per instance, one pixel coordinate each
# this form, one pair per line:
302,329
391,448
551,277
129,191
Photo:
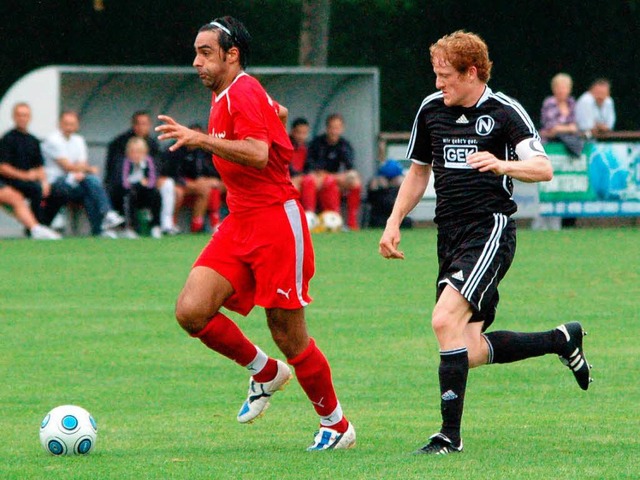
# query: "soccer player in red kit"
262,253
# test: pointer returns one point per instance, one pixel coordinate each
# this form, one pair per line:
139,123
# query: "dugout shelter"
106,97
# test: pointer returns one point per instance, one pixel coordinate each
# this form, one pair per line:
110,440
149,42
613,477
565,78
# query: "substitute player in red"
262,252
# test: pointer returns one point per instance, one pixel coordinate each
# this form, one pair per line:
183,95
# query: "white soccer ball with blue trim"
68,430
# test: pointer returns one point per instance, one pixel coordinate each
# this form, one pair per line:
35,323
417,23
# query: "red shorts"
266,255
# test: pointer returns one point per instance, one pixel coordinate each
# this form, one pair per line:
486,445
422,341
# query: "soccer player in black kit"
475,141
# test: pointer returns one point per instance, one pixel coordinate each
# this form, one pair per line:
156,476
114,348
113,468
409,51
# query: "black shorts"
473,259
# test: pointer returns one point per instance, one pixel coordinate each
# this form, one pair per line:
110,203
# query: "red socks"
353,207
314,375
197,224
308,194
223,336
312,368
329,195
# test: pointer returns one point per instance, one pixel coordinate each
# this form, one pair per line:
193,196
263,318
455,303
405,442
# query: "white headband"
221,27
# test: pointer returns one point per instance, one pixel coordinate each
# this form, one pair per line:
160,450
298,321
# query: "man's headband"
221,27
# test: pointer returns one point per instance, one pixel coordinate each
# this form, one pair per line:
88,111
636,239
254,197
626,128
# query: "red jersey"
299,158
245,110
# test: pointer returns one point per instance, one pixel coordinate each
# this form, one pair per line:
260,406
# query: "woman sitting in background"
558,119
558,115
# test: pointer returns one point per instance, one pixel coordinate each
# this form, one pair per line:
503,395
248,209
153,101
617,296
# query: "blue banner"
603,181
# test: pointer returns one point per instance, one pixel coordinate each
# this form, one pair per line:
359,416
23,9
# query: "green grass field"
90,322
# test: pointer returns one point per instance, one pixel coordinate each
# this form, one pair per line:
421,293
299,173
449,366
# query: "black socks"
507,347
453,371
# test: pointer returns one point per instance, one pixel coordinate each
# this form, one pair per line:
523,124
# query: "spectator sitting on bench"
332,173
139,177
21,162
12,198
141,127
196,180
73,179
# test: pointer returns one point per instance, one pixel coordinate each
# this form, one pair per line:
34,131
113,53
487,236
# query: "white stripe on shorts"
293,214
489,251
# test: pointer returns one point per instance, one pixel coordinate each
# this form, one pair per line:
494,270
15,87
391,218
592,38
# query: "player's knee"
330,181
202,189
308,182
440,323
189,315
352,179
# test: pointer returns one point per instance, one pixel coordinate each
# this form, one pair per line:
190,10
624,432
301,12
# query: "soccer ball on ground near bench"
332,221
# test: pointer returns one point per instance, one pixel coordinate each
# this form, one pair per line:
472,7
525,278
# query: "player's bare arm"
9,171
283,114
410,193
535,168
249,152
77,168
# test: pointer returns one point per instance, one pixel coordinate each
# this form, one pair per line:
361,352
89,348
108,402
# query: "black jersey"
443,137
332,158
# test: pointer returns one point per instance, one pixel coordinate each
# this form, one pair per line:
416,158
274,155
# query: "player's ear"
233,54
472,72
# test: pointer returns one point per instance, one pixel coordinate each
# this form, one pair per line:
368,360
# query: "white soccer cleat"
171,231
40,232
129,233
112,234
111,220
156,232
260,393
329,439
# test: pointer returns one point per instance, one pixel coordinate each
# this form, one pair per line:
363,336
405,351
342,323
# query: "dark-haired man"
595,110
330,161
475,141
299,134
262,253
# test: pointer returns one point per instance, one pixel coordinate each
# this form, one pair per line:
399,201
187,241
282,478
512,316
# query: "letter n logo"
484,125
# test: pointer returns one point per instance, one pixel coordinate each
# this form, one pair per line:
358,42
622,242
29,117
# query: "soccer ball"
68,430
313,221
332,221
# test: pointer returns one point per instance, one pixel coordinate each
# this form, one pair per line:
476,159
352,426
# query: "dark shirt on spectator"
21,150
185,164
331,158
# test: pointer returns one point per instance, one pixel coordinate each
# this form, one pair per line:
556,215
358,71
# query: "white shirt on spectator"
57,146
588,112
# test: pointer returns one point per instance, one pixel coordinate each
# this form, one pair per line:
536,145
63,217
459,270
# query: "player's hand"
172,130
486,162
388,246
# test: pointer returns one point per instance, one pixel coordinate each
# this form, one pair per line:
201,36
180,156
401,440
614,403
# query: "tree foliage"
528,41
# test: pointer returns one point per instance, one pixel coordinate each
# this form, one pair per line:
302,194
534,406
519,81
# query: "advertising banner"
604,181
